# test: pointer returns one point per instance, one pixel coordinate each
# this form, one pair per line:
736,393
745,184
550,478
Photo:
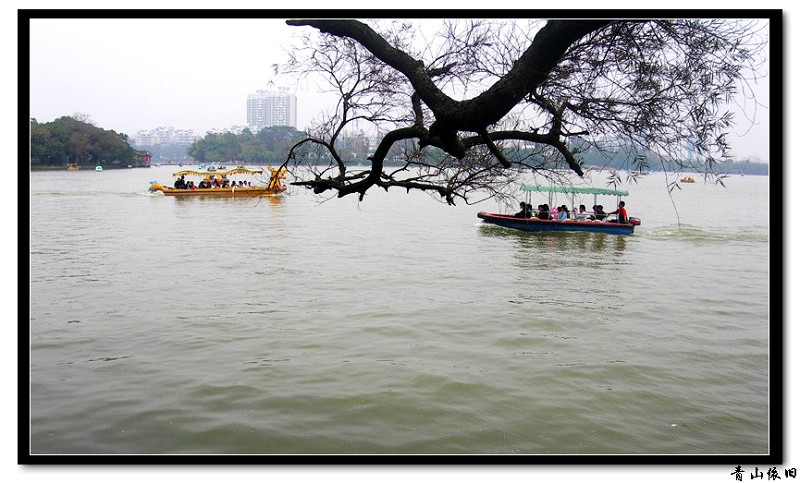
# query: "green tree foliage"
270,145
70,141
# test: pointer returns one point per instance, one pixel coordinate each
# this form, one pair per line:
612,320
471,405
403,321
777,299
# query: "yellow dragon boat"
223,183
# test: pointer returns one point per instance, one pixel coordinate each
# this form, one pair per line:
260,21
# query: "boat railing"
574,216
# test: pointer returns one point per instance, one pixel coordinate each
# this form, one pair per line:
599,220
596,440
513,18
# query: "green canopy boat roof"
574,189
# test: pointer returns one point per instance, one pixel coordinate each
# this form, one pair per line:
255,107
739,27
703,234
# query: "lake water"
398,325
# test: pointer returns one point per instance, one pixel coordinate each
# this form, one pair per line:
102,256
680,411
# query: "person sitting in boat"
621,212
565,211
180,183
582,214
521,212
561,213
544,212
525,211
599,214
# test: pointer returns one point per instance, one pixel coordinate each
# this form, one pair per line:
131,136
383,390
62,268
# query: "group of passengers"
621,212
563,213
181,183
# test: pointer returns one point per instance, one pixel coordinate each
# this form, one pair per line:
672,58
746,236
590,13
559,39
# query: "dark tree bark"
586,79
476,114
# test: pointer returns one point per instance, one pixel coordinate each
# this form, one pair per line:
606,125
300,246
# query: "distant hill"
627,158
68,141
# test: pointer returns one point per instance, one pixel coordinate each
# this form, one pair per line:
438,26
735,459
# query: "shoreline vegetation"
72,142
739,167
81,168
68,141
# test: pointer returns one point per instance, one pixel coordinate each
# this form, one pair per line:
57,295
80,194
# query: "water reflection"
567,243
562,265
271,200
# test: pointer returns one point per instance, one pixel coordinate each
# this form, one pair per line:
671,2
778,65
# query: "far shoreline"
86,168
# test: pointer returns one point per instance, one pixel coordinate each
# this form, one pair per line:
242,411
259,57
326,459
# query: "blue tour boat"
570,224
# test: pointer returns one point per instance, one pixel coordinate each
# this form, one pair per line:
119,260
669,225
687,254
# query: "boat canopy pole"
571,191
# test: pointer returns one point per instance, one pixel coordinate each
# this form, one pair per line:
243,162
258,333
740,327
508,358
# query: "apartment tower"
271,108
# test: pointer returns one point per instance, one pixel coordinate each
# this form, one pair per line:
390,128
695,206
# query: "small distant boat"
275,185
72,167
98,168
687,179
539,225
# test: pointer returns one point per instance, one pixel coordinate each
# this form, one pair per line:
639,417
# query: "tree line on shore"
70,141
269,145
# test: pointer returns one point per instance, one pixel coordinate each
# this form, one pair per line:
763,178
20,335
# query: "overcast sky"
137,74
133,74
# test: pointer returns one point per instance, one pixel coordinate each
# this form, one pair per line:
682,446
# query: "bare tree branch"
536,97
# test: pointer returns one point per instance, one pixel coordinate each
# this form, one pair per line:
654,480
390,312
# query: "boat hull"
219,192
537,225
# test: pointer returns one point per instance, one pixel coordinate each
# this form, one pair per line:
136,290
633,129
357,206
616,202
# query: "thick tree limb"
611,84
494,149
530,70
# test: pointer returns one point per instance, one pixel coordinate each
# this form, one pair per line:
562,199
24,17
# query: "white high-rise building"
271,108
164,135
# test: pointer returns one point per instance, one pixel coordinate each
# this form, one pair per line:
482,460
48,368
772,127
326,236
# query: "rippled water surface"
394,325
